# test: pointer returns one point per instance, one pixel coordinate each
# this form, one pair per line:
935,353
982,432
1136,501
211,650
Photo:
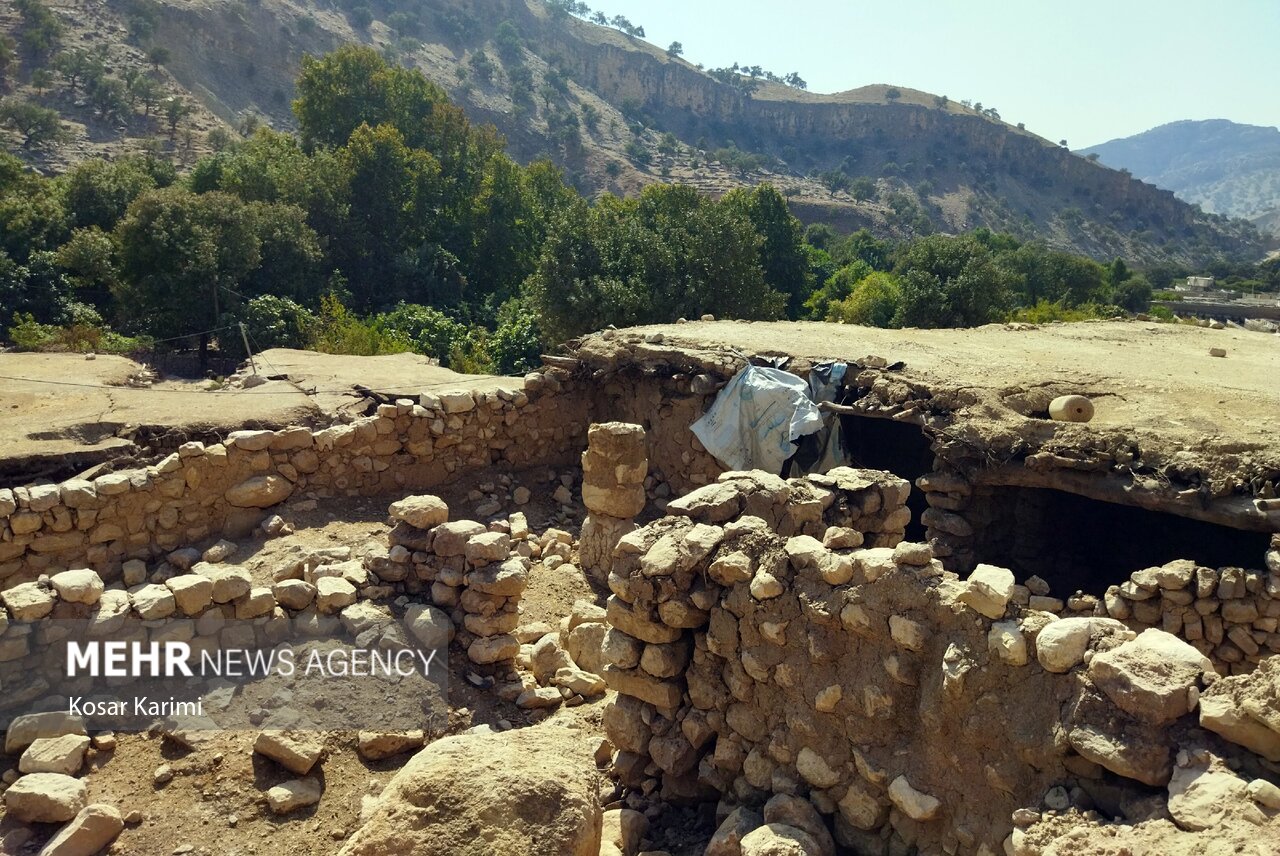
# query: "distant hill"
1269,223
1225,167
617,113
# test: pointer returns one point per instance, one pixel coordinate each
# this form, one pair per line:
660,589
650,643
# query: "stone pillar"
613,472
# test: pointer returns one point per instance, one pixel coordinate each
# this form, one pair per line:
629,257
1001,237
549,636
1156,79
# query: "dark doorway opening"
897,447
1079,544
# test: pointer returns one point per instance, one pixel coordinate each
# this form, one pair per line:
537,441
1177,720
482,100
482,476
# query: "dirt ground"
1157,377
1140,375
64,411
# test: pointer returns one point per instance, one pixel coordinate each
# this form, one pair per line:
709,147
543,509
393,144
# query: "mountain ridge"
618,113
1225,167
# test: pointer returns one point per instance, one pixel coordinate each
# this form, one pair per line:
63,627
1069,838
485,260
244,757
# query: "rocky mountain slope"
617,113
1225,167
1269,223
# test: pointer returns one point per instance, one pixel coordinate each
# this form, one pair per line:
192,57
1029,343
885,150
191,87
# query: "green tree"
509,45
78,66
88,261
481,66
8,60
35,288
361,17
950,282
1134,294
159,55
182,258
863,246
107,96
506,237
393,196
667,254
355,86
836,288
875,301
834,180
187,260
782,254
290,254
98,192
1118,272
862,188
675,49
40,32
175,110
32,217
38,126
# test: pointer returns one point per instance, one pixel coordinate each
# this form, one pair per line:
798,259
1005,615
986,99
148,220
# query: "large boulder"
728,838
26,729
260,492
88,833
45,798
62,754
1202,794
778,839
513,793
78,586
1245,709
421,512
1061,644
1152,677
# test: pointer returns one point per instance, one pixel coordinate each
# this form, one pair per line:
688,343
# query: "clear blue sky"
1084,70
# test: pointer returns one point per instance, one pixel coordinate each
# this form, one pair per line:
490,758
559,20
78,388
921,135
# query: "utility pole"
244,337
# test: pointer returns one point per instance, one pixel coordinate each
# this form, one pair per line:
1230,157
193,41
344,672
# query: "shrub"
339,331
83,335
837,287
1045,312
278,322
516,344
429,331
874,302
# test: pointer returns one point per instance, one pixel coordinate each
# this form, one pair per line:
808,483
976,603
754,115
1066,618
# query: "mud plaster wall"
865,679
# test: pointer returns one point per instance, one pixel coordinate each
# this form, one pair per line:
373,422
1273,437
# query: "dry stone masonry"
202,490
774,647
777,647
614,468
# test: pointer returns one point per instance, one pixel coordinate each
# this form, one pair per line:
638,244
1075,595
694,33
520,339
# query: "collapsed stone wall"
206,490
473,574
910,708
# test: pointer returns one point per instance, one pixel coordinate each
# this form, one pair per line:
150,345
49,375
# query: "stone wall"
206,490
1229,614
776,639
665,406
473,576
